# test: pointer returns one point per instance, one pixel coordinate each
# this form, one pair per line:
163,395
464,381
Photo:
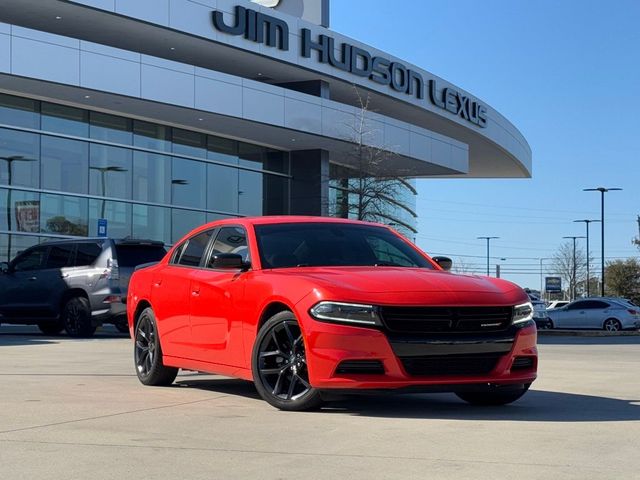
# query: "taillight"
632,311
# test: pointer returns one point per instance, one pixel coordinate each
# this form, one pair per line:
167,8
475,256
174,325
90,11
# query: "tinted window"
333,244
87,253
60,256
195,249
598,304
132,255
231,240
577,306
31,260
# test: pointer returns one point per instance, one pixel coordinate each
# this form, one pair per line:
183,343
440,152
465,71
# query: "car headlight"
522,313
346,313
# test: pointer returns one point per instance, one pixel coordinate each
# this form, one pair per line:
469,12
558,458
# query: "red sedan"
306,306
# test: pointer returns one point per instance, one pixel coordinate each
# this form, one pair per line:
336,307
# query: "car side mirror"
444,262
228,261
4,267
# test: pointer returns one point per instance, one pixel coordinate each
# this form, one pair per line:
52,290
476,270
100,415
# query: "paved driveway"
73,409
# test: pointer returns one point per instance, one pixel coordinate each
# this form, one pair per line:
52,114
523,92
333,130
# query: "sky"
567,75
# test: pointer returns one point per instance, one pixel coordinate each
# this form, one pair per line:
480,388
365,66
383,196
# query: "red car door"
216,295
171,295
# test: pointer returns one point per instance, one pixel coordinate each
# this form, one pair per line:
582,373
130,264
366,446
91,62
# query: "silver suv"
75,285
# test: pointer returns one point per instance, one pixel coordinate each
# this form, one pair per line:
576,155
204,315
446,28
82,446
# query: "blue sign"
102,227
553,284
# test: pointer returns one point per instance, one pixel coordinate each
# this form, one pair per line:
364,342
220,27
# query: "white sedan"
610,314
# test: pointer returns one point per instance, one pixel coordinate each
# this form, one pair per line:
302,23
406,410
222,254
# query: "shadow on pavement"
535,406
13,335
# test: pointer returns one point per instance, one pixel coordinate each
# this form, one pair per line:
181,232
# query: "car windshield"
333,244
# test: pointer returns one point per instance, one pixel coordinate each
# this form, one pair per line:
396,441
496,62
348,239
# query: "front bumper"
405,358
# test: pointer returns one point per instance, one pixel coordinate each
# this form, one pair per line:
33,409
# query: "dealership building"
150,117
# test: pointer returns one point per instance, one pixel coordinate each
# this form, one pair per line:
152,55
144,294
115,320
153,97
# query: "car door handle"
195,293
158,283
64,275
32,279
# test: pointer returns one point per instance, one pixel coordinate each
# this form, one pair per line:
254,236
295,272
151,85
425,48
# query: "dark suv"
76,285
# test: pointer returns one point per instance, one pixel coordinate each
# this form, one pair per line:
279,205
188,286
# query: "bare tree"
366,188
462,266
563,264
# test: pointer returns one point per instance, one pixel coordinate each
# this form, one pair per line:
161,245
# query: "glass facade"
62,169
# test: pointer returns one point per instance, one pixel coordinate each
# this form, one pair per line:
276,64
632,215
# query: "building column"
310,182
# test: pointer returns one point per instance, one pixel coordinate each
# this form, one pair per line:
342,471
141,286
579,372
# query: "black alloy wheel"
76,318
612,325
148,353
280,365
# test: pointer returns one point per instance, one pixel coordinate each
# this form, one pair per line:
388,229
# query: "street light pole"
573,280
602,191
587,222
488,239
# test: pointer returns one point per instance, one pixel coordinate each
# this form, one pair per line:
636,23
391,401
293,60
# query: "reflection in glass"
64,215
117,214
110,171
250,193
19,211
12,245
188,183
151,177
110,128
189,143
65,165
222,150
151,136
276,195
183,221
21,112
66,120
152,223
262,158
222,188
19,155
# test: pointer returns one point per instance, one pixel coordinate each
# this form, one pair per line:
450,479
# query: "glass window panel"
151,136
222,150
19,158
222,188
250,193
23,212
12,245
32,260
230,240
110,171
65,165
117,214
110,128
152,223
87,253
189,143
151,177
66,120
20,112
64,215
276,195
195,248
60,256
188,183
262,158
183,221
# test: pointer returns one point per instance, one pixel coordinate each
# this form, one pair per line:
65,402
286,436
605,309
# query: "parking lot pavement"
73,409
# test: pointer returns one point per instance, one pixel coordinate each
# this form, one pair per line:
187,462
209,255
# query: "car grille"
450,365
446,319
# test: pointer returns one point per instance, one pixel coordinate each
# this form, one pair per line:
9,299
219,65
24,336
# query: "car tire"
51,328
76,318
612,325
279,365
147,353
494,395
550,324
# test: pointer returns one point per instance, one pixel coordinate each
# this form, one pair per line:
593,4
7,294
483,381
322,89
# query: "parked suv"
75,285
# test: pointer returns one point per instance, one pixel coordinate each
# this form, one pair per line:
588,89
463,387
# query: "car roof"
117,241
278,219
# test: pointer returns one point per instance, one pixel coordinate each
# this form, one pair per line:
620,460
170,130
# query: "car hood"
409,285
